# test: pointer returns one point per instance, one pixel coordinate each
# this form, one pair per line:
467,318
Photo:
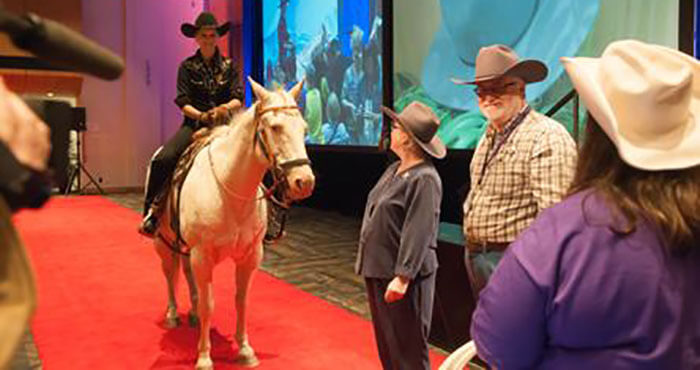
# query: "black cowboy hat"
205,19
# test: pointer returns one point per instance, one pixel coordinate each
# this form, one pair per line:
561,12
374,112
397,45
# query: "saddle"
276,212
172,188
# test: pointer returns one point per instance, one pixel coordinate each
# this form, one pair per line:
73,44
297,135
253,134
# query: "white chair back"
459,359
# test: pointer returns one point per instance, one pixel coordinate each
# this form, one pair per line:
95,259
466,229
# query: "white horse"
223,211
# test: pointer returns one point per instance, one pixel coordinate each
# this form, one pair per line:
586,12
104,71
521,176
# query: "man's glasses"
482,91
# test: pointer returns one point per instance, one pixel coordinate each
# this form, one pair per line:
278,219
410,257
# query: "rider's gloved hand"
220,114
205,119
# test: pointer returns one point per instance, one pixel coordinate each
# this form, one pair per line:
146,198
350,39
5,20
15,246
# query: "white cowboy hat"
647,100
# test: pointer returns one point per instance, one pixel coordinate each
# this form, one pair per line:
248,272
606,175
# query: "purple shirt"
571,294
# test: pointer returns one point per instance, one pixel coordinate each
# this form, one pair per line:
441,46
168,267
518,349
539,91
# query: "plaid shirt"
531,171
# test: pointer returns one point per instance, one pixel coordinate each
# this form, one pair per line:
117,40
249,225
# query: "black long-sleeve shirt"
207,85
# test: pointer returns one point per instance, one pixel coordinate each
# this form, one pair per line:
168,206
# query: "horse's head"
280,133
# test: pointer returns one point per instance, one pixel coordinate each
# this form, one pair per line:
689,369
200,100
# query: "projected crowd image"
336,47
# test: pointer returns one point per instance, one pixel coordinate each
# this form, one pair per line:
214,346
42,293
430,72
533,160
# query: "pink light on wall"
220,10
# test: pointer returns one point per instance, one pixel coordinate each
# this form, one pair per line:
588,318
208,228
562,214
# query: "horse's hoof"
172,322
192,319
247,358
248,361
204,363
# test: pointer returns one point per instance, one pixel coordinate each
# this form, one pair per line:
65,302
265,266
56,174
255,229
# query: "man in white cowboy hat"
208,89
608,278
396,253
523,163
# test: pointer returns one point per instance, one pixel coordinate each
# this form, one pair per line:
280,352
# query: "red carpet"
102,297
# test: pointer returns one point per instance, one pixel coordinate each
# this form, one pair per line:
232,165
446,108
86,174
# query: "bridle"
281,167
278,169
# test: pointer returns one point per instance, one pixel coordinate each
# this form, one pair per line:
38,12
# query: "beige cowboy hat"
647,100
421,124
499,60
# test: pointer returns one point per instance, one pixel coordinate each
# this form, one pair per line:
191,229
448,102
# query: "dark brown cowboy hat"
421,124
496,61
205,19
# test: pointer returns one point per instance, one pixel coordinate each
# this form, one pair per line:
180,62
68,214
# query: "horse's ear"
258,90
296,90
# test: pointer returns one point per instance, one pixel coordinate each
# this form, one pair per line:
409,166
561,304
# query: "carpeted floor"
102,298
317,254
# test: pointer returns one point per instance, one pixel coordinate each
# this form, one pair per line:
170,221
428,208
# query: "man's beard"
500,115
492,113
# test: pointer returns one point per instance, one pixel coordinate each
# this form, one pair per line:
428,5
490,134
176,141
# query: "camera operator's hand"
27,136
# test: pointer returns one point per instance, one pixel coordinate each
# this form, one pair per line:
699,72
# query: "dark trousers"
163,165
401,328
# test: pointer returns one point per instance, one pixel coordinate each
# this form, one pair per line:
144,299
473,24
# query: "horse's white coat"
222,215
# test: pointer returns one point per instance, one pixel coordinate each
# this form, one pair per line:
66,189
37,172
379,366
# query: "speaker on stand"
79,125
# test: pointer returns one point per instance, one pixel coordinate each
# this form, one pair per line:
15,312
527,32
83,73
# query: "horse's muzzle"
301,182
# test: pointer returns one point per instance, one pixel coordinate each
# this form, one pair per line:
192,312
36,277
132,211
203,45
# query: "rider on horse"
208,89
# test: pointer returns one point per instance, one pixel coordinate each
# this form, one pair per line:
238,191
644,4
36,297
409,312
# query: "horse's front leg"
244,277
169,263
202,269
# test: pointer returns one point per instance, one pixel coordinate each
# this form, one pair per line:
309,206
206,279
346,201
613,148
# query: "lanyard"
501,139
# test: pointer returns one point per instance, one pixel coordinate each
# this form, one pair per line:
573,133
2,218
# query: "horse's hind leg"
187,269
169,263
202,271
244,277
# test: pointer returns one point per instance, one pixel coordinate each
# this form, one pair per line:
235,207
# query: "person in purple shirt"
609,277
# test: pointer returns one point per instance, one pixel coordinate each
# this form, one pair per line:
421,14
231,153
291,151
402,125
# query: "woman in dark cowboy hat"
208,89
396,254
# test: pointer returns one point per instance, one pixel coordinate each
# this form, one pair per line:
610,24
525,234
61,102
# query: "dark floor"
317,255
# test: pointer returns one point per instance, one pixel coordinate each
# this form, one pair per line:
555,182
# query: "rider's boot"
149,224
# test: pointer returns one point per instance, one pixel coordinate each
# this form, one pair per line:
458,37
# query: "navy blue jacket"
400,224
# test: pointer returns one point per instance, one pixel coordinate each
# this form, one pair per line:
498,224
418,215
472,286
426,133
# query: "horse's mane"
241,116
